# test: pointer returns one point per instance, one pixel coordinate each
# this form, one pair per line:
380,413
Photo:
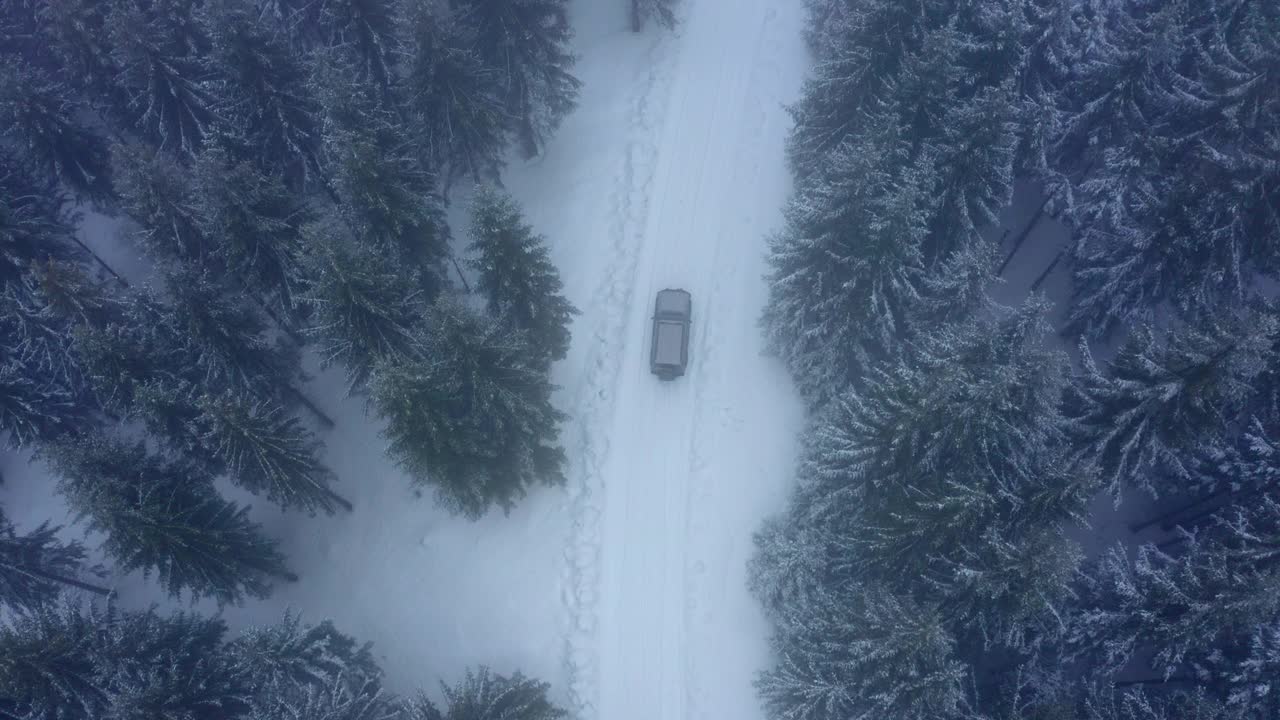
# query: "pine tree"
165,517
1178,607
334,701
258,87
958,289
254,223
222,341
456,101
35,227
364,28
1163,394
526,43
48,660
1251,683
36,566
484,695
363,307
788,566
845,267
973,158
287,662
158,194
871,654
662,12
161,78
172,666
268,451
516,276
1009,593
34,408
864,46
1106,703
474,416
385,194
41,117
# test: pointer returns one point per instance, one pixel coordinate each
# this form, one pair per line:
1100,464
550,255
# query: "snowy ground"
626,590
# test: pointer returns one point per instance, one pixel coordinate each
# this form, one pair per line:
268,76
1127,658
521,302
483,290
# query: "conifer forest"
1014,263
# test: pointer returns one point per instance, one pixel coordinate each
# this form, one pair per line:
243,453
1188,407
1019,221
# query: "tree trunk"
345,503
637,20
1022,236
98,589
1139,527
1045,275
461,277
306,402
103,263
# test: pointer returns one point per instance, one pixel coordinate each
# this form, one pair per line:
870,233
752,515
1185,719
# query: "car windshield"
673,303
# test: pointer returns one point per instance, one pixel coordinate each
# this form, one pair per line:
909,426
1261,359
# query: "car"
672,314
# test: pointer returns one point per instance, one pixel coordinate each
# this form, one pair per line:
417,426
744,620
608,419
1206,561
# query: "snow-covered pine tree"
363,307
334,701
253,222
385,195
221,341
484,694
962,436
1102,701
35,407
526,42
927,88
473,417
48,660
161,80
516,276
866,45
267,451
1166,396
1251,686
662,12
973,159
788,565
42,118
958,289
366,29
1179,608
36,566
868,654
164,517
845,267
158,194
168,666
284,660
1008,593
456,101
258,88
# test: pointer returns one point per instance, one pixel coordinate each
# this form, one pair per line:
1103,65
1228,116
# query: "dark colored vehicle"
669,354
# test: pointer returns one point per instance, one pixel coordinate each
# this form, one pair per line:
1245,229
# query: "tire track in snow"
594,405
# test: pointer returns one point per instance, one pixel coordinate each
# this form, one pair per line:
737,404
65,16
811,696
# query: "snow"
626,589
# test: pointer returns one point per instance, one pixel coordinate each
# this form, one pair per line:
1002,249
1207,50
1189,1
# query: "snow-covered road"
673,478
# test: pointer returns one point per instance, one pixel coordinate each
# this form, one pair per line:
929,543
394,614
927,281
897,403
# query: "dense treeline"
68,663
285,167
923,568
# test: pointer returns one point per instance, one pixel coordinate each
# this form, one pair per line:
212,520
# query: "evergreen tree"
455,100
220,340
871,654
845,267
385,194
165,517
526,43
363,307
163,82
662,12
973,160
863,48
172,666
267,451
35,227
958,289
254,223
158,194
36,566
482,695
41,118
1165,393
282,660
48,660
1113,704
788,565
35,408
334,701
258,86
1251,683
1178,607
516,276
474,416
